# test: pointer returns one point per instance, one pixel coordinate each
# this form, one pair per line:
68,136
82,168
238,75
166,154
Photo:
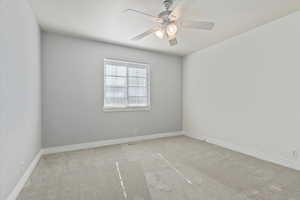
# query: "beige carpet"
177,168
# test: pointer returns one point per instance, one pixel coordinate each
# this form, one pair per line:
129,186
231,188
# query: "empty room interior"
149,100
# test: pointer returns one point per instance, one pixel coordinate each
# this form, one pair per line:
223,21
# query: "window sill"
130,109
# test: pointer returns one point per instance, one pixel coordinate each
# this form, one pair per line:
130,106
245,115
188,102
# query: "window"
126,85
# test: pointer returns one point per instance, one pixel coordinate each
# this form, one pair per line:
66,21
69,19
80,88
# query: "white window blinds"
126,84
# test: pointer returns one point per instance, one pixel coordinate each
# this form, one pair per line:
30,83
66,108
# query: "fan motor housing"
165,15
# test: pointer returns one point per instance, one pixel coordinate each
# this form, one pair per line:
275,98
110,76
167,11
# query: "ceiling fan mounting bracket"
168,4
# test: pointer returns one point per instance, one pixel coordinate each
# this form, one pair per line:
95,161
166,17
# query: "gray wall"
244,92
73,92
20,136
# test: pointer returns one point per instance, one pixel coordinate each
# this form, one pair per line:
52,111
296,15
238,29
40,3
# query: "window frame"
128,108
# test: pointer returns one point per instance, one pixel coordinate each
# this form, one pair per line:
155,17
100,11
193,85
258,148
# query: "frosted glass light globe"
172,29
160,33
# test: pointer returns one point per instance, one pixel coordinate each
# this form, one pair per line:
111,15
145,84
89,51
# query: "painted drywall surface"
20,137
73,93
245,91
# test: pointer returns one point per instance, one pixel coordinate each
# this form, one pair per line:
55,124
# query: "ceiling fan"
170,21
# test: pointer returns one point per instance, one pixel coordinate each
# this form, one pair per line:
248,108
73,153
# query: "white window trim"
130,108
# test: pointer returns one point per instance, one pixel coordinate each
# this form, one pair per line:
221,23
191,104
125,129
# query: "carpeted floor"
176,168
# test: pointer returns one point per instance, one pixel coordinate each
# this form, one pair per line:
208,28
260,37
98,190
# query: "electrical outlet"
295,154
136,131
22,163
21,167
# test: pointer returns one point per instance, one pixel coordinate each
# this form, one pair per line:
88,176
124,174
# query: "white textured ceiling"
104,20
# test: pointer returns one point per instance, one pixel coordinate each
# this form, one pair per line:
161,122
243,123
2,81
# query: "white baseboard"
276,158
198,137
18,188
90,145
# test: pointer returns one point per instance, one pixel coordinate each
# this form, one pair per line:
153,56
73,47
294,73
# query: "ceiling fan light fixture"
172,29
160,33
170,21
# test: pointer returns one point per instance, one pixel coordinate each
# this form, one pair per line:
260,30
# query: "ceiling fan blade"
197,24
152,17
177,11
146,33
173,41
